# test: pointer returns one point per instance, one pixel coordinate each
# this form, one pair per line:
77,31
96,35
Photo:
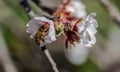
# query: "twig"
27,8
51,60
45,50
113,11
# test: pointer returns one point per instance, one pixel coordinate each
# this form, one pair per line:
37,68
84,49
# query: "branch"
45,50
27,8
113,11
51,60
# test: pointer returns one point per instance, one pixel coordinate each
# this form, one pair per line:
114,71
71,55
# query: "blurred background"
18,53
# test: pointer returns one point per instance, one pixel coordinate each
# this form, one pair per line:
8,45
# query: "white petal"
85,39
51,35
93,39
87,30
33,27
36,23
92,29
93,22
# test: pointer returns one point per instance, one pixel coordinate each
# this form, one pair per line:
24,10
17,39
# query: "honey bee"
42,31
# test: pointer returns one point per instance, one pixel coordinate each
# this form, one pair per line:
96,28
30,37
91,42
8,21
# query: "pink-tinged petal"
77,9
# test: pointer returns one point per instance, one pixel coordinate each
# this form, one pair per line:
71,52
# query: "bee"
42,31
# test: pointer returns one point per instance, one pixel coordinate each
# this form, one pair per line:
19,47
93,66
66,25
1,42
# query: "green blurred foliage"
117,3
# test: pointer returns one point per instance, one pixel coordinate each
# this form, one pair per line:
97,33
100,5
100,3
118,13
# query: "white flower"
88,30
77,8
36,23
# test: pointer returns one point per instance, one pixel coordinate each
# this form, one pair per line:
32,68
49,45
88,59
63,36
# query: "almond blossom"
87,30
36,23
